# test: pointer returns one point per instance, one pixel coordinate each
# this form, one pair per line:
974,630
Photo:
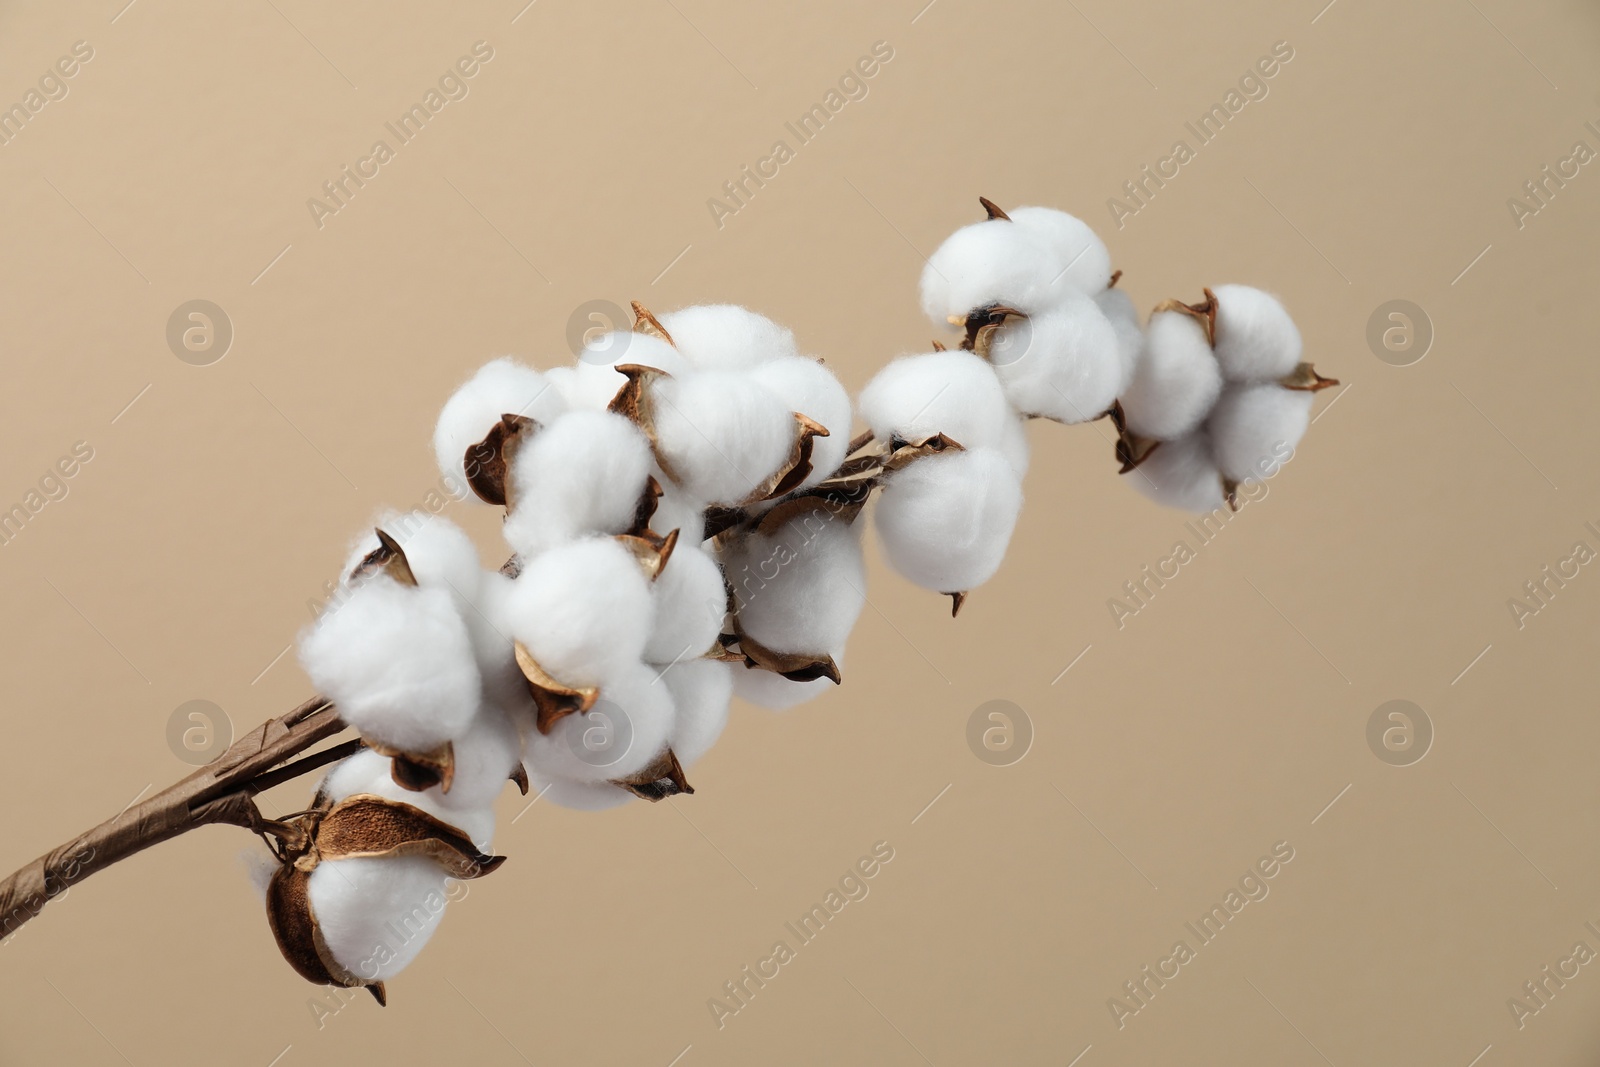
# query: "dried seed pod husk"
388,558
552,700
519,775
797,468
417,771
488,463
720,520
979,319
660,779
646,323
939,346
633,401
1230,492
1304,378
1116,276
992,209
649,500
843,503
1204,312
795,666
905,453
956,602
651,550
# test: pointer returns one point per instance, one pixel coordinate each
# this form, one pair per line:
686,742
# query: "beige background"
1221,719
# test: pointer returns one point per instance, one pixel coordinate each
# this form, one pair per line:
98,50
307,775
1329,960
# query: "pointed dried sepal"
379,993
646,323
634,402
417,771
1204,312
1230,493
519,774
1133,450
720,520
1304,378
818,504
552,700
938,345
905,453
388,558
980,325
367,825
661,778
488,462
795,469
651,550
649,500
993,209
1116,276
795,666
956,601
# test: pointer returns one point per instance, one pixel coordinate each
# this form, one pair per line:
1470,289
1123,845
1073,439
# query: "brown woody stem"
220,792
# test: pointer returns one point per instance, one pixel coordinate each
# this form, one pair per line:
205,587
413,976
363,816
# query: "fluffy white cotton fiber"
1257,341
677,510
621,347
503,387
1254,429
690,603
369,772
946,520
991,262
438,551
701,692
1181,474
727,337
806,386
398,662
627,728
586,386
1061,363
721,433
801,588
484,758
1013,444
955,393
377,913
1084,258
582,474
583,610
1177,380
1117,307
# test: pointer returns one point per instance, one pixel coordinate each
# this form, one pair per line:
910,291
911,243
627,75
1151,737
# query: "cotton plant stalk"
683,512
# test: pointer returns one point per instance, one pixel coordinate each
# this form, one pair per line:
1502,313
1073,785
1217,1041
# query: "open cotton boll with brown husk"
701,692
1254,429
369,771
592,382
438,553
582,474
1062,363
1256,340
989,263
582,610
774,692
503,387
798,587
726,337
721,435
945,520
625,732
1181,474
690,603
804,385
1086,262
398,661
954,393
1177,379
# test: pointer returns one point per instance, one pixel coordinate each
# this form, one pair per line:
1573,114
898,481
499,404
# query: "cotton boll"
583,610
362,901
677,510
774,692
503,387
946,519
701,691
690,603
806,386
991,262
484,758
1177,380
721,433
1257,341
1085,258
1118,309
398,662
582,474
369,772
800,588
727,337
628,727
1181,474
620,347
586,386
1013,444
439,553
1255,428
1061,363
489,626
578,796
954,393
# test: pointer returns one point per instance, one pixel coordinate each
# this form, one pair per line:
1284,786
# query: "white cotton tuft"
677,510
1257,341
774,692
1086,262
1013,444
990,262
690,604
438,551
1117,307
503,387
627,728
582,474
721,433
806,386
484,758
582,610
622,347
376,913
946,520
800,588
1254,429
489,626
727,337
701,691
578,796
586,386
398,661
1061,363
955,393
369,772
1177,380
1181,474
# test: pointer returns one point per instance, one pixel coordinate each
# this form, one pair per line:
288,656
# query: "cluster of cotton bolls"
680,507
